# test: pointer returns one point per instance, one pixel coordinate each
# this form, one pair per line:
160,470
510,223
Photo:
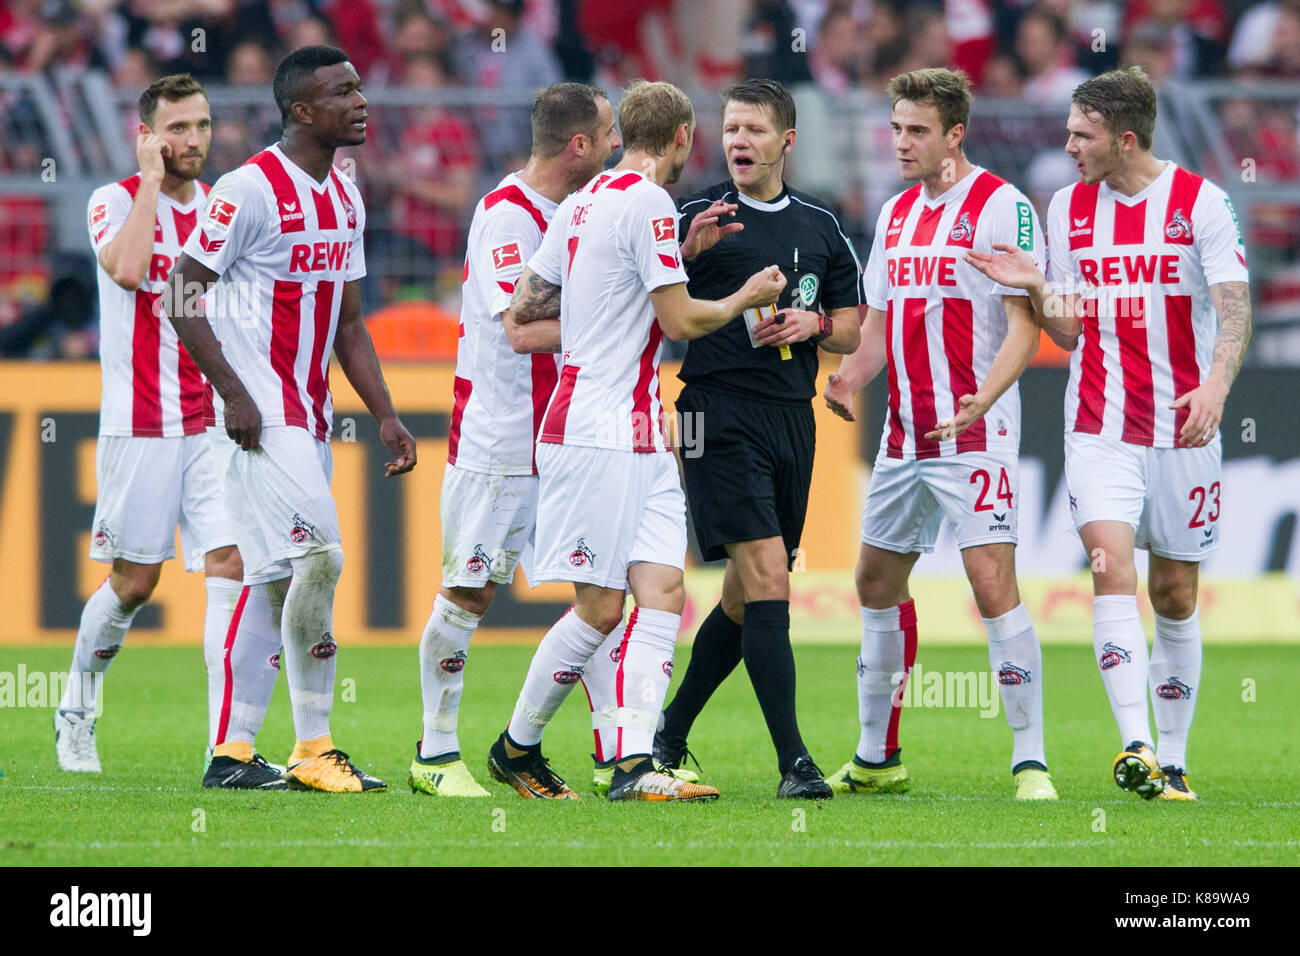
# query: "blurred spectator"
167,29
1045,54
135,71
249,64
834,61
434,174
1198,32
1284,63
311,31
970,28
1048,171
416,35
769,47
1002,77
925,34
1253,40
502,55
1149,47
357,22
1265,135
63,328
623,37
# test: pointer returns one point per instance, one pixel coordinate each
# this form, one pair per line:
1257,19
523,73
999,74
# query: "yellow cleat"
1136,770
852,778
1032,784
449,778
1176,787
331,772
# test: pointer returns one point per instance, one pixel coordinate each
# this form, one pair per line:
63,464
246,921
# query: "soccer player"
283,234
955,346
750,392
1148,267
611,514
489,489
155,468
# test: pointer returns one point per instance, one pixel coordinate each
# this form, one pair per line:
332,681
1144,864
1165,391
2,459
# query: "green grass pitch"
147,807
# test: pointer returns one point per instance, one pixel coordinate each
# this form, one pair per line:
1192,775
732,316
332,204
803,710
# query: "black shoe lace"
541,770
805,769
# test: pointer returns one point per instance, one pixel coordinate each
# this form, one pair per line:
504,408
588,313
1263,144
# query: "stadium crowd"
425,164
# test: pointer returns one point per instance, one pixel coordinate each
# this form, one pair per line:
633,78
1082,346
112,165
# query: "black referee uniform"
752,410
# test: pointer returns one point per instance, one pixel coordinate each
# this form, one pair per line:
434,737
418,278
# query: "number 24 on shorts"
982,478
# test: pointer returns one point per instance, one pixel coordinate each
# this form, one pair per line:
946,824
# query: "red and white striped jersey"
499,395
1144,265
945,320
151,386
611,243
283,245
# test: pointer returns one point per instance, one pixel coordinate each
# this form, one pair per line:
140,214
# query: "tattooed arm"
532,322
1205,402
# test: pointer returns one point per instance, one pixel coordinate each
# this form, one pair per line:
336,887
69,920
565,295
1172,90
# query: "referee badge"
808,290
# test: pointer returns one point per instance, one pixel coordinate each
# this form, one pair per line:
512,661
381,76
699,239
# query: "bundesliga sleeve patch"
98,214
220,214
1024,227
665,235
508,263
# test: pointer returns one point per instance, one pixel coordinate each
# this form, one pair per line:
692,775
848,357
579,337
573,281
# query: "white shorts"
600,510
1170,496
487,526
147,488
279,500
908,500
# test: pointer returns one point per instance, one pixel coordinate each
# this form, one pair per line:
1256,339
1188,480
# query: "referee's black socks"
769,659
714,655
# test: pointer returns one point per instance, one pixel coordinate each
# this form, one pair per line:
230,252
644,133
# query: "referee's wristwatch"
827,328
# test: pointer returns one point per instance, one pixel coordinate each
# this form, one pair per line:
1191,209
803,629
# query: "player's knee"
135,585
733,605
474,600
224,563
319,568
874,588
1172,597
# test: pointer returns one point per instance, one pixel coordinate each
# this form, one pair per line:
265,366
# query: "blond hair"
650,114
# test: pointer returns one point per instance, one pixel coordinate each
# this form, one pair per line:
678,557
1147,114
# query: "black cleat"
227,773
804,781
671,752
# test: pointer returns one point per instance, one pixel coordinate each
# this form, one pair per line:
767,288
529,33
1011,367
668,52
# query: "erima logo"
74,909
898,221
288,212
1081,227
1081,222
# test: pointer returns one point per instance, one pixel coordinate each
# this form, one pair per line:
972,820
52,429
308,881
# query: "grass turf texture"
143,809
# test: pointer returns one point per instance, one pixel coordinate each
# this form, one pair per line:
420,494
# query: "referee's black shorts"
752,478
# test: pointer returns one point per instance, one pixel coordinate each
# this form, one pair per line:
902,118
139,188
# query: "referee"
749,386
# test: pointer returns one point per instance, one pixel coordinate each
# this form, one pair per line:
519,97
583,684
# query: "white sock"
104,623
309,648
557,665
645,669
219,626
1121,650
254,662
442,674
887,655
1175,678
602,698
1017,659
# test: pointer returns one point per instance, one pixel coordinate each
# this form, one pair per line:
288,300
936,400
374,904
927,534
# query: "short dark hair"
1055,22
948,91
1125,100
768,93
560,112
172,88
295,70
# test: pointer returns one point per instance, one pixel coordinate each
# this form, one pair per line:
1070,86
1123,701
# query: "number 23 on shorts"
984,481
1199,496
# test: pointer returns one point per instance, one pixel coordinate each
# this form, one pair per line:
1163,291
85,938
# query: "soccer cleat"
602,774
1135,769
1034,784
74,742
804,781
670,754
657,785
331,772
854,778
227,773
531,775
449,777
1176,787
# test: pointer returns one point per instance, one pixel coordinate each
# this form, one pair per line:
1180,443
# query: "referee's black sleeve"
843,275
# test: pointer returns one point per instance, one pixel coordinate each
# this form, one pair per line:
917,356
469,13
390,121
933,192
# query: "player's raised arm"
1205,402
532,322
126,256
683,318
1011,266
183,303
356,355
858,367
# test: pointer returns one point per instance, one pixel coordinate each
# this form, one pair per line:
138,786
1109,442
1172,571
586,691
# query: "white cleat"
74,741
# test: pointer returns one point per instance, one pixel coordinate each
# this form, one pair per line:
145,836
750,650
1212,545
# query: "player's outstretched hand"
763,287
401,443
972,409
243,420
1010,266
787,327
839,398
1205,412
705,233
149,153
